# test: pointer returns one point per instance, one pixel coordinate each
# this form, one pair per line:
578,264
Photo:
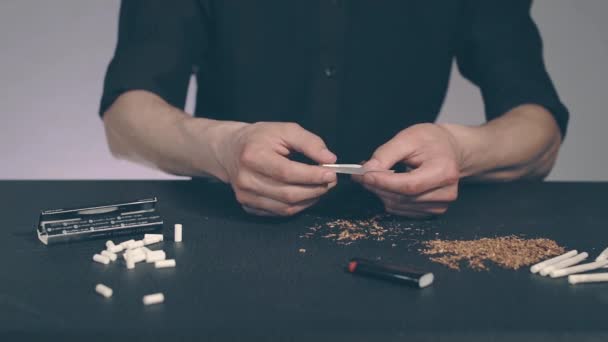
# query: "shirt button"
330,72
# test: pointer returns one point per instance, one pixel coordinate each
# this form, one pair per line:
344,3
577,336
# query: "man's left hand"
428,189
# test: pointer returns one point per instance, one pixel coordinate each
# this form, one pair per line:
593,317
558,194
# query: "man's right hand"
264,180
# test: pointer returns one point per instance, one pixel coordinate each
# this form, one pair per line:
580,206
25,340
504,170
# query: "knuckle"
241,181
241,197
295,125
247,156
282,174
286,211
315,140
452,173
292,126
438,211
452,195
411,187
290,197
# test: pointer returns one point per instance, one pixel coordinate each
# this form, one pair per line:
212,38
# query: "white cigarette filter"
578,269
134,252
103,290
110,255
110,244
155,256
102,259
151,240
603,255
169,263
125,244
588,278
155,298
136,244
155,236
178,233
130,264
137,257
537,267
115,249
564,263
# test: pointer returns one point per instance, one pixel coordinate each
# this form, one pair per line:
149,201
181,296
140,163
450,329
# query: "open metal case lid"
62,225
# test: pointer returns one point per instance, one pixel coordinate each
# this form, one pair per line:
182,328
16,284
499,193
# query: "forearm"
521,144
142,127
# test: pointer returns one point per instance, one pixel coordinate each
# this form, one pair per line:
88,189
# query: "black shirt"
355,72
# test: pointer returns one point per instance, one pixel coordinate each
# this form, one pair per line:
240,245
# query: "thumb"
309,144
389,154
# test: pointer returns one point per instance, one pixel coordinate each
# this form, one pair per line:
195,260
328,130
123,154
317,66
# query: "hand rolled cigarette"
564,263
587,278
536,268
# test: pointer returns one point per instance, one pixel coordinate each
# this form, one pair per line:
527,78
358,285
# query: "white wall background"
53,56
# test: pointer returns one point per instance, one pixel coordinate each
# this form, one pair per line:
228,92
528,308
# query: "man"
349,79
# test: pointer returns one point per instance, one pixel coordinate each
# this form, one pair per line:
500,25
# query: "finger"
428,176
309,144
435,208
396,202
387,155
282,192
254,201
281,169
409,213
423,208
257,212
445,194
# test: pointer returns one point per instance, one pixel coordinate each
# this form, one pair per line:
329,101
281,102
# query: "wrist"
212,142
471,146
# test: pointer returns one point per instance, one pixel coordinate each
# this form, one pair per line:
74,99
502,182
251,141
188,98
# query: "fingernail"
329,177
328,155
373,163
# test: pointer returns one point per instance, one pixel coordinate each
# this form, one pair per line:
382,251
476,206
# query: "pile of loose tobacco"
509,252
379,227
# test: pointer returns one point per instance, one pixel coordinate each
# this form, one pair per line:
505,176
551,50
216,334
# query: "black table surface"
240,277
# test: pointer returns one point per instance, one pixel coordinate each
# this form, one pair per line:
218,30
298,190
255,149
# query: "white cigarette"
578,269
536,268
588,278
564,263
603,255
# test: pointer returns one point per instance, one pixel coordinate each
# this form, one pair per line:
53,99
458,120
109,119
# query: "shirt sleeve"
158,45
501,52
